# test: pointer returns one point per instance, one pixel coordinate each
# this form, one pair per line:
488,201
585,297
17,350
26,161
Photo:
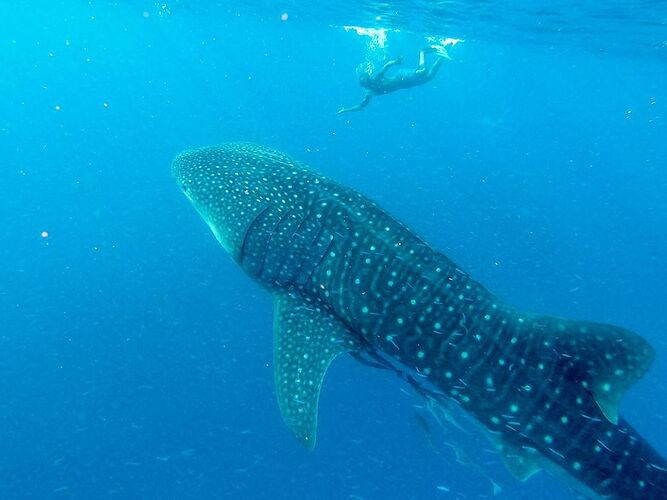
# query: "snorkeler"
379,83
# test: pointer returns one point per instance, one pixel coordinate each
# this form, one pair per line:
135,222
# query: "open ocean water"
135,356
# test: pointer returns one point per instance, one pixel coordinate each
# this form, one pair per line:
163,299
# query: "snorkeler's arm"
435,67
357,107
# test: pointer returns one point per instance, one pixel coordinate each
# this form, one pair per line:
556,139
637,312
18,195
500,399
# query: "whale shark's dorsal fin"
306,340
606,360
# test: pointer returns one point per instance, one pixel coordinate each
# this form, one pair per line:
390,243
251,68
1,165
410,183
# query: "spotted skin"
346,276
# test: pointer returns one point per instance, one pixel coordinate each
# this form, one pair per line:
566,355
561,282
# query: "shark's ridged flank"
346,276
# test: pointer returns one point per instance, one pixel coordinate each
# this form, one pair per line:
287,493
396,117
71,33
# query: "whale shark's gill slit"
302,235
294,252
276,250
308,241
315,251
269,250
288,263
254,245
326,248
248,233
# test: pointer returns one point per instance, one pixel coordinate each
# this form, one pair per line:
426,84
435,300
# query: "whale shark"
346,277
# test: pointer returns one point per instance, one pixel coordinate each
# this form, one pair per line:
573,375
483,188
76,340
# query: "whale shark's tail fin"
604,359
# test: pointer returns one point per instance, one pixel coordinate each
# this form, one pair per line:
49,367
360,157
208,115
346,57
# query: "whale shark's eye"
185,188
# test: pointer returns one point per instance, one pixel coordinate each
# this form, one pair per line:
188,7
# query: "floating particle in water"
57,107
284,16
44,234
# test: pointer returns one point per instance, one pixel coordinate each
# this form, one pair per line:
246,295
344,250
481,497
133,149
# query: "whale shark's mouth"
186,192
218,236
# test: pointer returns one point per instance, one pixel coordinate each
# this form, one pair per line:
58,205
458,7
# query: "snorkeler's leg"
357,107
388,65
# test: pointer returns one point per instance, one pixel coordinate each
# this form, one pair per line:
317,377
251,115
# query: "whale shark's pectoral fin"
306,340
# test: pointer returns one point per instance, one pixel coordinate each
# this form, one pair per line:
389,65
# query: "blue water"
136,358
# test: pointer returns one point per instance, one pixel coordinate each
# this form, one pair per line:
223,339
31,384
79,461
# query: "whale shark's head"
230,185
